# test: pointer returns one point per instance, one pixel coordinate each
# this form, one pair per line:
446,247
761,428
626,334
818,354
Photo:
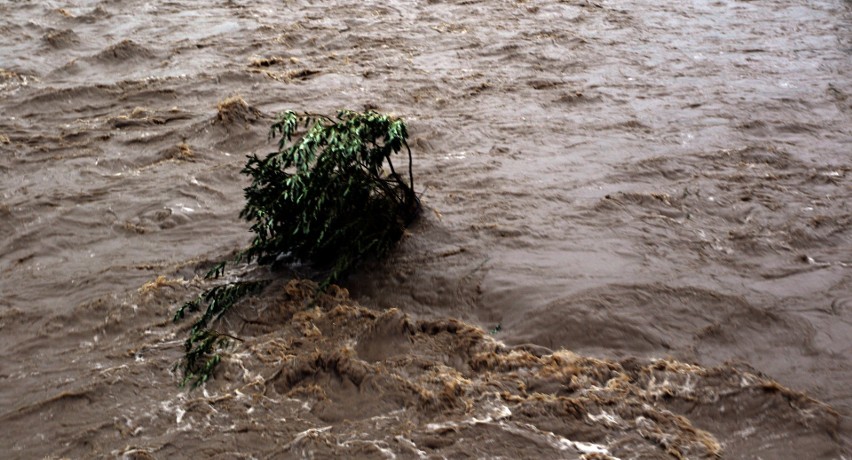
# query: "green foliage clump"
326,197
330,196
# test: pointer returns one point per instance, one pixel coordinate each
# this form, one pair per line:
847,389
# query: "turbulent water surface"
651,199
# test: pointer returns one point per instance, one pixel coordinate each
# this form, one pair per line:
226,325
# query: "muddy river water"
636,242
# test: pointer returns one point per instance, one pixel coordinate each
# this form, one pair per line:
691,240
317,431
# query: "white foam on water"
610,420
556,441
309,433
411,445
494,413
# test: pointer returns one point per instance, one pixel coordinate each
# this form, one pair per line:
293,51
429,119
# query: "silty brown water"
643,184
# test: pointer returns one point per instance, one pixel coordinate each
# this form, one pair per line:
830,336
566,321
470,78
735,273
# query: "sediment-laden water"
650,199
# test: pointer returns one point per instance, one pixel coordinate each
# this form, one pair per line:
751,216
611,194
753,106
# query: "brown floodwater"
636,242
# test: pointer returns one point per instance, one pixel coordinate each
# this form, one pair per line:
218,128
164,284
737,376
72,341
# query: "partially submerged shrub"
330,197
326,197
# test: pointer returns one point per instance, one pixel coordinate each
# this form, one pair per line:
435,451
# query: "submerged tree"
330,196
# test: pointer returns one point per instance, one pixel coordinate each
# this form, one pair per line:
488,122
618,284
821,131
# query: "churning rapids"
651,199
